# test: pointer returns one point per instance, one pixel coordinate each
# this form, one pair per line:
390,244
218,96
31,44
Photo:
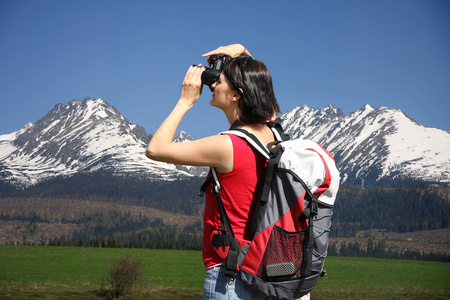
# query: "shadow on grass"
53,292
45,291
399,293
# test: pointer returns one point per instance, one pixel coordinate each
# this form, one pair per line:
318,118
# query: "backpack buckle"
215,189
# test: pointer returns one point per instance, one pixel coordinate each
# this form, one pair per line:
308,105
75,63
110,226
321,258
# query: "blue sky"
134,54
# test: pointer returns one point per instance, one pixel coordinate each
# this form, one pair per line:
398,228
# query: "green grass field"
40,272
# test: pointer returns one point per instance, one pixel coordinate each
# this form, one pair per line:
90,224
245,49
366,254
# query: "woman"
244,92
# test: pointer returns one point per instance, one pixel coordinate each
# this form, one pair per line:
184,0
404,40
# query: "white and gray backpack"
291,222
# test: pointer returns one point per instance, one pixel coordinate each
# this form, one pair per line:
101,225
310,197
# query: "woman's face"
222,92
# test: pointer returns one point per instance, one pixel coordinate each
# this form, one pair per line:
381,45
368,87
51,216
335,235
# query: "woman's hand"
191,88
233,50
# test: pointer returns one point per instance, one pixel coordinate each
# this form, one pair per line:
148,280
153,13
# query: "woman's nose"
213,86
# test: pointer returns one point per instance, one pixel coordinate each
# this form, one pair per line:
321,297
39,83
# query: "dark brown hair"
258,102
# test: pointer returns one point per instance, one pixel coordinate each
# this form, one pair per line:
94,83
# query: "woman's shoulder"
263,132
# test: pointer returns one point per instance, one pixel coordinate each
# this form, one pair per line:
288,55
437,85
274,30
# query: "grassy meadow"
43,272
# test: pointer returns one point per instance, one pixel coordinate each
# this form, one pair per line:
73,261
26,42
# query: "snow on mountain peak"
182,136
418,150
368,107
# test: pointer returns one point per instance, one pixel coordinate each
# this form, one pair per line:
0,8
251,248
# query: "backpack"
292,219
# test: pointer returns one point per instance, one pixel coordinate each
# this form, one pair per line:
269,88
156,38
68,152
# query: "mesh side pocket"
283,255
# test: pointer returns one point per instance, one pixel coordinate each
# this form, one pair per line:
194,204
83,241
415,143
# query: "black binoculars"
211,75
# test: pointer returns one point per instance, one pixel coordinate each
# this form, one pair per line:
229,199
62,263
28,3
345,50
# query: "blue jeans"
219,287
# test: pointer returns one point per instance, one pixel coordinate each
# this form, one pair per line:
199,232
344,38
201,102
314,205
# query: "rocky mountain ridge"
373,145
80,137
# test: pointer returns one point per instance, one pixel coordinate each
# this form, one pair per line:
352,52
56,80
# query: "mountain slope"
375,144
77,137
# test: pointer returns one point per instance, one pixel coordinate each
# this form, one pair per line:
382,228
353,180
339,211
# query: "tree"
369,249
332,250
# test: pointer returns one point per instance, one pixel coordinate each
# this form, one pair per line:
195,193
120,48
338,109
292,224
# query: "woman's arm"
214,151
233,50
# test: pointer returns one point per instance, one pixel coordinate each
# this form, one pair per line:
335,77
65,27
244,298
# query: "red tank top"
240,191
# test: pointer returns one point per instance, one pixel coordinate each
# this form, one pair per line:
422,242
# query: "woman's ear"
236,96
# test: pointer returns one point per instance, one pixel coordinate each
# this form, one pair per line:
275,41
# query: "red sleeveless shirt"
240,190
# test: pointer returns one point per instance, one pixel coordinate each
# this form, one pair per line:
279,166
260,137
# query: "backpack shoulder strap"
278,130
226,236
252,139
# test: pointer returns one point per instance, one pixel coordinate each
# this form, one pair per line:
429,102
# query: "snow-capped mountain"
182,137
76,137
373,144
369,144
